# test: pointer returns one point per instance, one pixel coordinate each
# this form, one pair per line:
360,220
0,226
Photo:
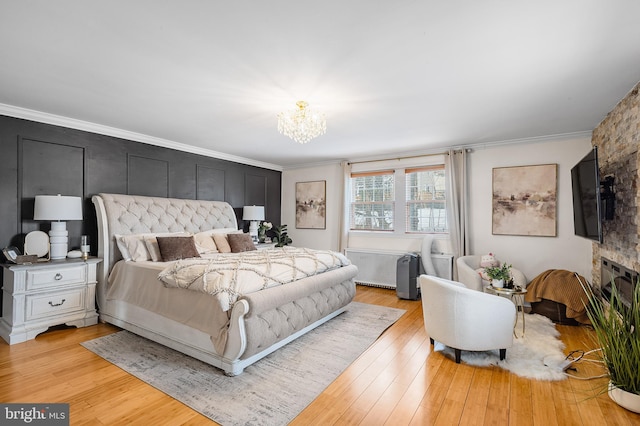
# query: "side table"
516,296
40,295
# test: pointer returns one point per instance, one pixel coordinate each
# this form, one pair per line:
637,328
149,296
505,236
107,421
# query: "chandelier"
302,124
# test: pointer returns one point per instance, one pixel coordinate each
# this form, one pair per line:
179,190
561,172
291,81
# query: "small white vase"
628,400
497,283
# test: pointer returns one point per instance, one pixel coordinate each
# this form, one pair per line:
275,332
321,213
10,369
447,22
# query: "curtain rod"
398,158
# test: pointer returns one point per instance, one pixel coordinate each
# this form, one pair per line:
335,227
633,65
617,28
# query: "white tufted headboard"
135,214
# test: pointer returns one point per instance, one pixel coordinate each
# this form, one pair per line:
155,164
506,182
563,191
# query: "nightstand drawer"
44,305
49,277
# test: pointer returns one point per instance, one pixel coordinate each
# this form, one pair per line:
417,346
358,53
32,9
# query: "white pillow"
131,246
204,242
153,248
134,246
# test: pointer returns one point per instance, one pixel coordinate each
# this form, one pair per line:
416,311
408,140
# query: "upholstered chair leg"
458,353
431,340
503,354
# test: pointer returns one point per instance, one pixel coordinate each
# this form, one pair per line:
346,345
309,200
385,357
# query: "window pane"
425,196
372,201
426,217
372,216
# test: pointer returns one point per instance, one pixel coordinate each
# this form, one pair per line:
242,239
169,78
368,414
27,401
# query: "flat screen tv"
587,202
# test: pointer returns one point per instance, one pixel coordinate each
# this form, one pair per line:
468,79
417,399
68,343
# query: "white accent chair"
465,319
468,276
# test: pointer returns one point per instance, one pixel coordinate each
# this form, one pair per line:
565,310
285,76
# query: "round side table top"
506,291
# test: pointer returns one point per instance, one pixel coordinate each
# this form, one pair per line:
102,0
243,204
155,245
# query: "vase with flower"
262,231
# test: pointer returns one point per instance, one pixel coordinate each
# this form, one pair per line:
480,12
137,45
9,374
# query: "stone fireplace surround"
618,138
623,278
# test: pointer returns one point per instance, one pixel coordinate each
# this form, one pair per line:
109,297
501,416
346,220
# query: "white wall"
324,239
532,255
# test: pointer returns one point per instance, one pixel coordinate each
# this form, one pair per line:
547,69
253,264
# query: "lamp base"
253,230
58,240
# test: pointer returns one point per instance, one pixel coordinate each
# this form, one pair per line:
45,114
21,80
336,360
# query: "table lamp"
254,214
58,209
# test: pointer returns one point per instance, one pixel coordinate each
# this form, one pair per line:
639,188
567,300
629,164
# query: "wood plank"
399,380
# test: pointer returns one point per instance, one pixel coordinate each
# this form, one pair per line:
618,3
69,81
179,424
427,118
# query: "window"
425,199
372,201
407,200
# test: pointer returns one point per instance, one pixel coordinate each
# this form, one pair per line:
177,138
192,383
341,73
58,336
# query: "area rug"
536,355
272,391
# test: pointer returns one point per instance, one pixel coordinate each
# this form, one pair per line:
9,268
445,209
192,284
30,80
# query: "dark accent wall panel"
210,183
147,176
38,158
255,190
48,169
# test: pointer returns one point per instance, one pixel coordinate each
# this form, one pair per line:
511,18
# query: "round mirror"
36,242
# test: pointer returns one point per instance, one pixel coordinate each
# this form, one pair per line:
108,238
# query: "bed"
130,295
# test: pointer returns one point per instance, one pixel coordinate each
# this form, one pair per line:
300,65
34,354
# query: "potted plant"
499,274
281,238
617,331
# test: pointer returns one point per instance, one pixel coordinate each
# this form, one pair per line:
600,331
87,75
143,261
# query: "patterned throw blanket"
229,276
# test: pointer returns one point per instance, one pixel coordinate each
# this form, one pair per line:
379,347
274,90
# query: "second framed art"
524,200
311,206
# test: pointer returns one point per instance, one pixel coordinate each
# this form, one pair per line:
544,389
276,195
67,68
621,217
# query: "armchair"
465,319
468,276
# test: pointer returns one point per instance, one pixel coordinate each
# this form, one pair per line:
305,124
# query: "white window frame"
407,171
398,166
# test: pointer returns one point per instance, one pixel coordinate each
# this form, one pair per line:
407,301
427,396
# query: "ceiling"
392,77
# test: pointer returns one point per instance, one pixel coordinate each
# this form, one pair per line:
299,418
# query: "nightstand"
40,295
264,246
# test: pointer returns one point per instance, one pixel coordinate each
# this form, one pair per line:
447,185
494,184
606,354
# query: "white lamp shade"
253,213
57,207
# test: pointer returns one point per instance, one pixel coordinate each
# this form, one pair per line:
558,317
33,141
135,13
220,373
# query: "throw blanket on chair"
563,287
229,276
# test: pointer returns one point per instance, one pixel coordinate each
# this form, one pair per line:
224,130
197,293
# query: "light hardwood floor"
397,381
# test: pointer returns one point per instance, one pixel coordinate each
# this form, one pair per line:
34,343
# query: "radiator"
378,267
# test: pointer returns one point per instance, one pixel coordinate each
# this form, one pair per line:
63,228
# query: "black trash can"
407,272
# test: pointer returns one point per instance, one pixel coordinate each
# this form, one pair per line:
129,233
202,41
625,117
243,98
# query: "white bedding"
227,277
137,283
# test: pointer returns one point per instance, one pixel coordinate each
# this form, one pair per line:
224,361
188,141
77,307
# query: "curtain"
456,201
345,208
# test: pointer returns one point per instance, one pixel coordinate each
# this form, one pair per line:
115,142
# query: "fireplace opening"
624,279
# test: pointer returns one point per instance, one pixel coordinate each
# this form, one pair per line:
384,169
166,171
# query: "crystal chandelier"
302,124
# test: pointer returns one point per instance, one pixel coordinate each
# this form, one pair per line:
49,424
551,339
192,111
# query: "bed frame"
260,322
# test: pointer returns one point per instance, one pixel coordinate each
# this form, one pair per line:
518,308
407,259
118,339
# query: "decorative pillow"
136,248
240,243
175,248
132,247
222,243
204,242
488,261
153,249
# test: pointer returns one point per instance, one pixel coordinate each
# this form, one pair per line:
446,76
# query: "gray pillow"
240,243
175,248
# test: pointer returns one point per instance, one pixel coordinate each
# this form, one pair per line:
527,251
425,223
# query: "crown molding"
58,120
536,139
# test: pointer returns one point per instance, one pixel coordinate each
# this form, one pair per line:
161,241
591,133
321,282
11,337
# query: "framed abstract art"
524,200
311,205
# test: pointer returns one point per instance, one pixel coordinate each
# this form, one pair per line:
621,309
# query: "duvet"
229,276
